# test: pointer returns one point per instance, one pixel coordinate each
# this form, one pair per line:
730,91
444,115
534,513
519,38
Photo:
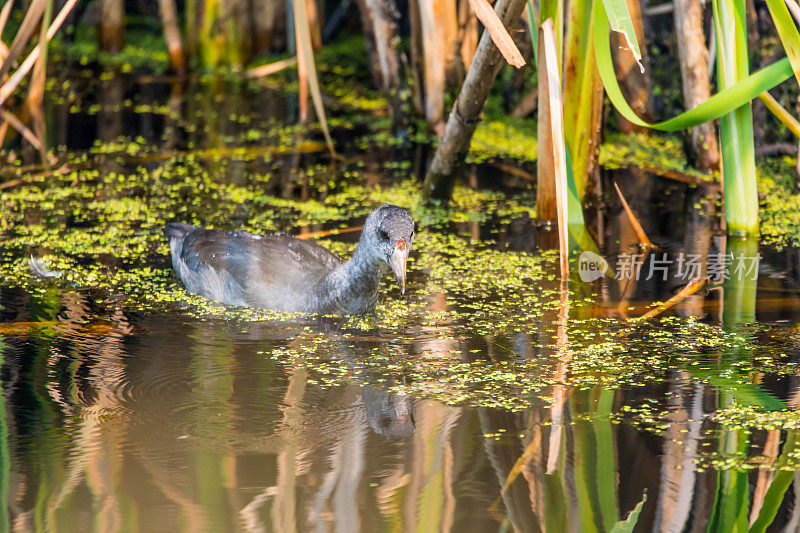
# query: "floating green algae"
102,230
507,138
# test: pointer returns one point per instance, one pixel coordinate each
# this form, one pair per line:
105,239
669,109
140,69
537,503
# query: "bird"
287,274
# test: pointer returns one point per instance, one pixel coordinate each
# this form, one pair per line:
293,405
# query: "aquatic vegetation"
466,299
144,51
654,151
503,138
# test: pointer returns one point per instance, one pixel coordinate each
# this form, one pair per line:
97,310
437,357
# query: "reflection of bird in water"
283,273
389,415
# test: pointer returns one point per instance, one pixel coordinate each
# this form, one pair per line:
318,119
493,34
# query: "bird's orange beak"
398,261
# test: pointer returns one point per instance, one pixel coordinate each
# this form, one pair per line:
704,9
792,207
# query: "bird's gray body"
278,272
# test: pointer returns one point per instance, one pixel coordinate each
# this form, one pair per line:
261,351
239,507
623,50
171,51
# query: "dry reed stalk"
9,86
3,20
438,23
17,124
111,30
483,10
555,149
35,99
271,68
24,34
172,35
468,23
305,60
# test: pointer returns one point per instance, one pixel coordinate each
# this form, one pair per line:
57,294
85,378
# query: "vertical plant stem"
369,41
385,19
736,128
438,29
112,25
555,150
302,75
233,35
583,93
546,202
314,23
417,59
192,25
554,9
209,46
694,66
469,37
304,50
172,34
266,15
35,99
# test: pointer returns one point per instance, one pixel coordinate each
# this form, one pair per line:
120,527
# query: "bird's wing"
273,271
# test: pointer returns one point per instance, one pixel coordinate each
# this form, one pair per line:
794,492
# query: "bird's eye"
383,235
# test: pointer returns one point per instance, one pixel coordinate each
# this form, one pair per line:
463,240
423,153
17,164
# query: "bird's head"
389,232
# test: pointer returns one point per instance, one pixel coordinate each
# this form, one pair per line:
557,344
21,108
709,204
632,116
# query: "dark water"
118,419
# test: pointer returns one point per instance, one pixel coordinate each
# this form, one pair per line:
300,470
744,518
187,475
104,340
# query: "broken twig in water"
688,290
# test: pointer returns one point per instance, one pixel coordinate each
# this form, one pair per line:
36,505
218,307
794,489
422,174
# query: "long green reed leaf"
620,20
580,237
533,23
719,104
777,489
787,31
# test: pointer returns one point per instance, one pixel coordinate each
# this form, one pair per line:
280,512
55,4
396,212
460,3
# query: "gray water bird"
283,273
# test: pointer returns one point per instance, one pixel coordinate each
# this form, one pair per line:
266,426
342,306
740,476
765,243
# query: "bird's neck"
352,288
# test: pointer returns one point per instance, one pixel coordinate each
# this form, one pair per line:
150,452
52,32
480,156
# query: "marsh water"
488,398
